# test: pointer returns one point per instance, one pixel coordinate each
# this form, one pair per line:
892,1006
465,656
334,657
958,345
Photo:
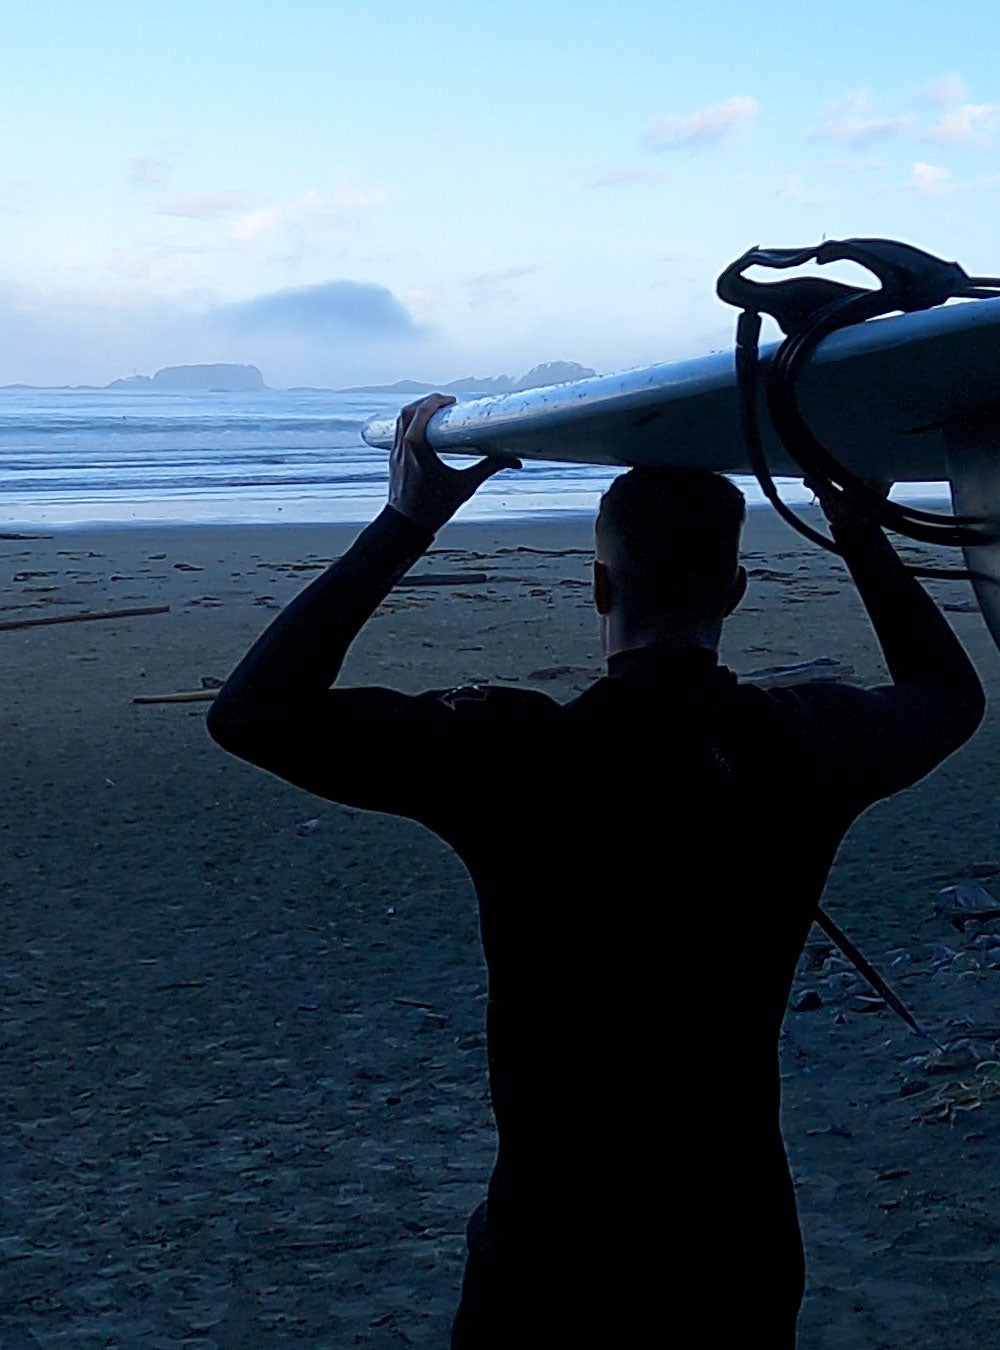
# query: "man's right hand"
421,486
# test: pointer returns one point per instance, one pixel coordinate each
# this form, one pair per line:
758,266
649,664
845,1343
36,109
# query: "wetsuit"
647,860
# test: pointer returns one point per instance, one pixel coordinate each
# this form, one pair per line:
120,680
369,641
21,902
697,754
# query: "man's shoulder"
796,700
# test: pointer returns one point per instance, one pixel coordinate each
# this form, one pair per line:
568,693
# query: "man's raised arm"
275,707
895,734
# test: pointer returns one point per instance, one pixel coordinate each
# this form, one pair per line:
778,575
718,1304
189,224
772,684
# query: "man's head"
667,562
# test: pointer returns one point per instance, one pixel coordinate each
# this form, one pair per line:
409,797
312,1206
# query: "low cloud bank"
330,309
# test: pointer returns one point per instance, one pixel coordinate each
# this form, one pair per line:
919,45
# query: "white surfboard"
887,397
877,394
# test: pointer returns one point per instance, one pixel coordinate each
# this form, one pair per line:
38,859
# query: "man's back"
666,823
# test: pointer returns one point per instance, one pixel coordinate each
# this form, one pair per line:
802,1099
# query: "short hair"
671,538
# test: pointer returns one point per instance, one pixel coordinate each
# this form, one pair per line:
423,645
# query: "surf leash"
809,309
868,972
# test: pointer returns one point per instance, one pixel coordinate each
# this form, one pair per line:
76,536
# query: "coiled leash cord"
807,310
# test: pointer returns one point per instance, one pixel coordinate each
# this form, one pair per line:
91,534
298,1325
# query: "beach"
242,1062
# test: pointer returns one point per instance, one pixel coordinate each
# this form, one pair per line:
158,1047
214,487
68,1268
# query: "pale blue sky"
502,184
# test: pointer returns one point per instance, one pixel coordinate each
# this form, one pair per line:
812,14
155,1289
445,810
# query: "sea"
73,458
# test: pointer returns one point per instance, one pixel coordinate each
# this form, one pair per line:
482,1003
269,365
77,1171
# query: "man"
647,859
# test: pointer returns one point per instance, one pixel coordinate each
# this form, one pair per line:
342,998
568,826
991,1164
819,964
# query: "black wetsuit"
647,860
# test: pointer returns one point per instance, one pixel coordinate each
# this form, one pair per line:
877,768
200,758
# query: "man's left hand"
421,486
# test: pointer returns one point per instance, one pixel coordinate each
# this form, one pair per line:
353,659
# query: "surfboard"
880,395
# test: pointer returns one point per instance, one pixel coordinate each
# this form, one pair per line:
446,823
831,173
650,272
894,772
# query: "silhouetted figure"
647,859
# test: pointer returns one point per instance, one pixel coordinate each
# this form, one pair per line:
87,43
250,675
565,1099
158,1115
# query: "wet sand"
241,1055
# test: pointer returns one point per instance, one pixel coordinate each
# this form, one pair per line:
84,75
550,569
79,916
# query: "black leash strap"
807,310
868,972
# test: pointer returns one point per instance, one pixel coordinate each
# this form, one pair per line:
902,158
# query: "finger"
403,423
399,435
486,468
423,412
430,401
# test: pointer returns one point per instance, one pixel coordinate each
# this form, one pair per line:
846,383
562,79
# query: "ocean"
74,457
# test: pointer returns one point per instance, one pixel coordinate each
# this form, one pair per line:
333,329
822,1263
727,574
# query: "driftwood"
184,696
445,579
85,616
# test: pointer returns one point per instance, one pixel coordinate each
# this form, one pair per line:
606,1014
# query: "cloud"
969,124
322,214
148,171
207,205
930,180
707,126
500,274
307,223
490,287
159,264
330,309
53,335
851,121
254,225
943,92
628,177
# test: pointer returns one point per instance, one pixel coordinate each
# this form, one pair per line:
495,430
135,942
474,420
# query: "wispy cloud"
308,222
330,310
490,287
972,124
943,92
630,177
207,205
933,180
500,274
930,180
254,226
851,120
707,126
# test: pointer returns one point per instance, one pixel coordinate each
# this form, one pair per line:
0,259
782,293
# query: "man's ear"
738,590
602,588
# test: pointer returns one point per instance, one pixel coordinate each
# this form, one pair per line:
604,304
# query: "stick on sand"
184,696
86,616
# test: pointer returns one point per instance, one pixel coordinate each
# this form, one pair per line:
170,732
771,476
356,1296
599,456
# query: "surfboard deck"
879,395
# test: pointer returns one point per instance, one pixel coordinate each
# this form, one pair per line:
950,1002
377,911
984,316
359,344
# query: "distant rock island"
231,379
214,379
552,372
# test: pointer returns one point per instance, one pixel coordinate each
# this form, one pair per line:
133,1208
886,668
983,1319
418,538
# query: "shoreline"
359,510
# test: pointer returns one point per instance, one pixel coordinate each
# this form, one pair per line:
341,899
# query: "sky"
342,192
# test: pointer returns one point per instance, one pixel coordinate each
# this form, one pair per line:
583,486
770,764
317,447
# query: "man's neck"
663,636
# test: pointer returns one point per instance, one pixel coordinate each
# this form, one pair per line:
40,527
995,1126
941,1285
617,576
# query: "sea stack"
221,378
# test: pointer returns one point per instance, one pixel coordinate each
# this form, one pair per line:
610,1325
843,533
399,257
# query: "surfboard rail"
879,394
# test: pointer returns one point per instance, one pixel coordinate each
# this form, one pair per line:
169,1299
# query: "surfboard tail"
973,454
